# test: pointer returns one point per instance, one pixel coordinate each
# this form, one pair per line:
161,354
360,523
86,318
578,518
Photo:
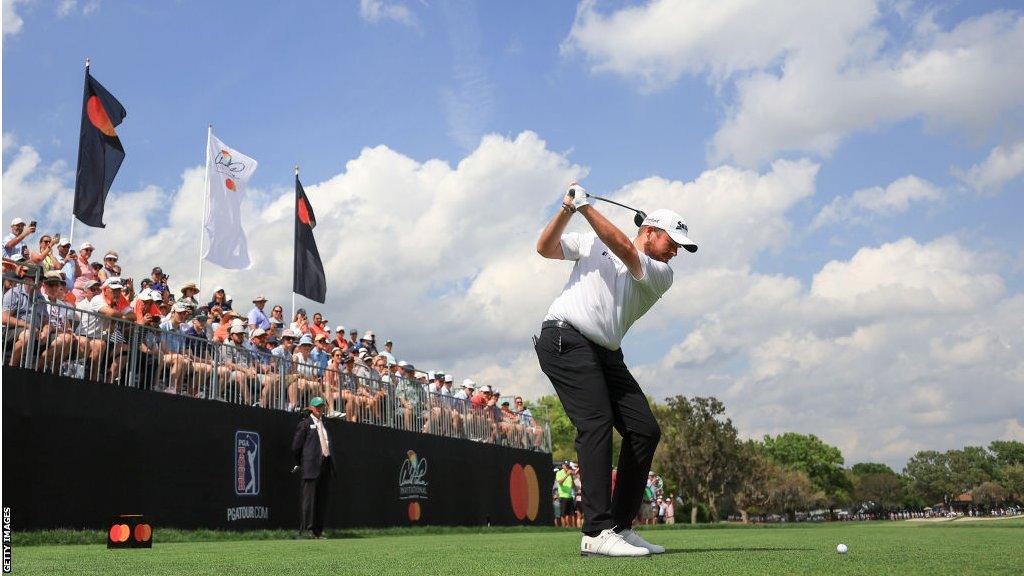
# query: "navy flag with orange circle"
309,280
99,151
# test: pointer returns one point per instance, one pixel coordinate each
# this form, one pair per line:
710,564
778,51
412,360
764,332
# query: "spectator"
69,268
159,280
318,327
219,299
321,353
276,327
563,484
112,304
333,386
109,270
339,339
309,379
14,243
263,363
203,365
237,361
188,295
257,319
286,364
353,341
670,509
17,316
45,253
409,395
368,342
277,312
145,309
85,274
387,353
300,325
533,431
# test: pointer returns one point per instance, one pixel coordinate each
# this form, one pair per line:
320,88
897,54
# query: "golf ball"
841,548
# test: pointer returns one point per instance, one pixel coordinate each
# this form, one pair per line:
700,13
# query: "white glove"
579,198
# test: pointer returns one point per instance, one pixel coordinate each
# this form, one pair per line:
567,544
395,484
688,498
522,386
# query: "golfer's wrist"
568,208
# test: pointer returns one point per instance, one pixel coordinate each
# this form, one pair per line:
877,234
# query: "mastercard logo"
98,116
524,492
414,511
229,184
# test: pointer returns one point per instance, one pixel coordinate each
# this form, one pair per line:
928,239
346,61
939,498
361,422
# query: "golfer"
614,281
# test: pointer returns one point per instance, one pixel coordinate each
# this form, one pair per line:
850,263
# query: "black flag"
99,151
310,280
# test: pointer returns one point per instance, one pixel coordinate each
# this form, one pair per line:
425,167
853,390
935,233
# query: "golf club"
640,214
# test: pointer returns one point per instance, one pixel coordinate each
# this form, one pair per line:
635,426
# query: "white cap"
340,329
238,329
467,383
113,282
448,378
64,242
219,289
146,294
485,388
430,375
672,223
237,322
17,221
258,332
369,335
85,246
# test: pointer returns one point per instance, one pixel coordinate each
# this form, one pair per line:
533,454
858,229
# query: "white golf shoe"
636,540
608,543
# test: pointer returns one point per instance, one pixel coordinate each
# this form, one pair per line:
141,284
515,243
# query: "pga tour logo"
247,463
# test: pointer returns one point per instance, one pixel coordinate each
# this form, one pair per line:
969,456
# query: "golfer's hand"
579,196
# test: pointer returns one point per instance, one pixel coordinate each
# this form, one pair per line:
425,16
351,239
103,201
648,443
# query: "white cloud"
808,74
12,20
877,201
67,8
383,10
1003,164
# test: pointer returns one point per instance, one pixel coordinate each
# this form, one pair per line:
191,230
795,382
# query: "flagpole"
206,197
71,235
295,226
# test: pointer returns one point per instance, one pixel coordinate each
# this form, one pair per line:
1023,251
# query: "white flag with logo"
228,172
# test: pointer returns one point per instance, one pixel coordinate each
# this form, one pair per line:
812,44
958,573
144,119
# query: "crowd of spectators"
88,314
567,495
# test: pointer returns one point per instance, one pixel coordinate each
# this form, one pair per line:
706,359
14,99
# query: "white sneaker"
635,539
608,543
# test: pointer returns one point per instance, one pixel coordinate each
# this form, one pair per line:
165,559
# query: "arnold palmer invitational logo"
412,478
412,483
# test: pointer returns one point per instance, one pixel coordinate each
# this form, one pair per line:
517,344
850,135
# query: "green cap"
316,401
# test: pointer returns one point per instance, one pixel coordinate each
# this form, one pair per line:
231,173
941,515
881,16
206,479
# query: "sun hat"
258,332
467,383
238,329
672,223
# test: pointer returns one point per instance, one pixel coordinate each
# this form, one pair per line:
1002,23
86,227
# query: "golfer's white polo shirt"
602,299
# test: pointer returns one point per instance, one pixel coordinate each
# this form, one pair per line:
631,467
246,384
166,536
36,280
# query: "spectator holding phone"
14,242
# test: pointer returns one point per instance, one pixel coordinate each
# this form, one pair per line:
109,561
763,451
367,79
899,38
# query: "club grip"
572,192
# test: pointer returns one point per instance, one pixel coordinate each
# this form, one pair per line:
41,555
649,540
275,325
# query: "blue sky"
650,102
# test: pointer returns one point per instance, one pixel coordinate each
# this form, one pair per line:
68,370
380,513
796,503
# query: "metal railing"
52,337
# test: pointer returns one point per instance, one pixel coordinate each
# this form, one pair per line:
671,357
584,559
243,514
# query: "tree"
879,491
930,477
1013,481
970,467
822,463
791,490
699,449
751,487
863,468
563,433
1007,452
988,494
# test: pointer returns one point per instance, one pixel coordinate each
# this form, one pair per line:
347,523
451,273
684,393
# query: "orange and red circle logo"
119,533
415,511
524,492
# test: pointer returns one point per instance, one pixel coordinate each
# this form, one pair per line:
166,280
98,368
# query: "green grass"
995,547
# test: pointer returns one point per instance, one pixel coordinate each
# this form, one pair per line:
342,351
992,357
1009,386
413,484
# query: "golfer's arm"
616,241
549,245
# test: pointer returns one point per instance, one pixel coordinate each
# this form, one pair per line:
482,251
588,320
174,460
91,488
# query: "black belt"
558,324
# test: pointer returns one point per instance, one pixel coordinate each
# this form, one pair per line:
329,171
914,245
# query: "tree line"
702,459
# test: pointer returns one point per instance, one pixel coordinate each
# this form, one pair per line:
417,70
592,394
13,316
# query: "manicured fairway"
995,547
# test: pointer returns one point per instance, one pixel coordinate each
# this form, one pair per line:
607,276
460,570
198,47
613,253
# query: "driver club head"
639,218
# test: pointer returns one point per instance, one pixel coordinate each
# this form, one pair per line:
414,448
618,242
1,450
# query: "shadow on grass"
750,549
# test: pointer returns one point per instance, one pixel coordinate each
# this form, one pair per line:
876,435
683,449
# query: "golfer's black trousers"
598,392
315,492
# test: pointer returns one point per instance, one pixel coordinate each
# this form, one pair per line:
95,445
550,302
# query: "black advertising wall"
77,453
